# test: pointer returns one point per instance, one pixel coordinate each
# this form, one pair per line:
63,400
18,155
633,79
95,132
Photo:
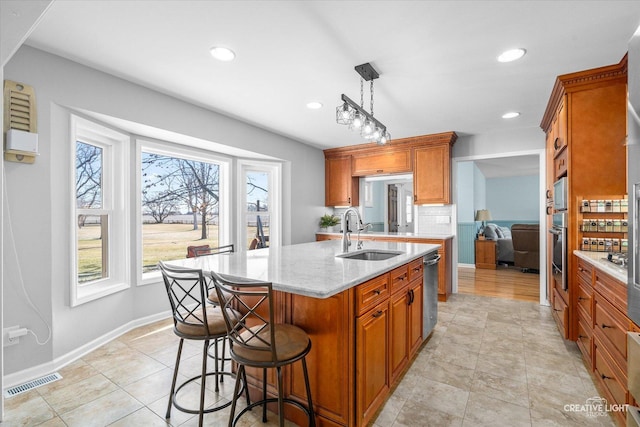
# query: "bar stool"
257,341
195,319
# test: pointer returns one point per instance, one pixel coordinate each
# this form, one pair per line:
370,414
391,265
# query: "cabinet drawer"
611,325
609,375
372,292
399,278
613,290
585,340
561,314
584,271
585,298
381,163
416,268
560,163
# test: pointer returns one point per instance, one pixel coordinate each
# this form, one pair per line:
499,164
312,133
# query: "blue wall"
513,198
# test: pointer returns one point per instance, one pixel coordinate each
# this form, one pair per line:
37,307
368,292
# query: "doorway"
464,194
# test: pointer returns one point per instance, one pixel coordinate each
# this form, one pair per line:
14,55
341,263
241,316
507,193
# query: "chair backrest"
247,308
202,250
186,291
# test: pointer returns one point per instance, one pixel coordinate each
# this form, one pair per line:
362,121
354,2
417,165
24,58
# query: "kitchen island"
364,319
445,268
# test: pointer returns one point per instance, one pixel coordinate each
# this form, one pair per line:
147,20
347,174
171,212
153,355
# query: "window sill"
96,291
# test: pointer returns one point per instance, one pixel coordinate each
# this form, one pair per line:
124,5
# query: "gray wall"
39,199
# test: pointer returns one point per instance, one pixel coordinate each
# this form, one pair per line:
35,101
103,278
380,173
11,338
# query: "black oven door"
559,256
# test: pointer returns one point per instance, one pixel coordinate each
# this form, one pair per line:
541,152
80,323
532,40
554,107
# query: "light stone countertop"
599,260
398,235
309,269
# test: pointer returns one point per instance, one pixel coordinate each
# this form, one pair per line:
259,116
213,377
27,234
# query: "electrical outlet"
6,341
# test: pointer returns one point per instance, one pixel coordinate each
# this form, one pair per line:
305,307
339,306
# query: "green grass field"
160,242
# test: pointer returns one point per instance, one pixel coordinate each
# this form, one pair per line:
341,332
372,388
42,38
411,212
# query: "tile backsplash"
436,219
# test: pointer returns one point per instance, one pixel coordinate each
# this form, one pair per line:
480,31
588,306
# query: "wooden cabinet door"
415,316
341,189
486,254
431,171
372,362
399,332
385,162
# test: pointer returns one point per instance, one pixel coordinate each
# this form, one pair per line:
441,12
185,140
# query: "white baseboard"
34,372
466,265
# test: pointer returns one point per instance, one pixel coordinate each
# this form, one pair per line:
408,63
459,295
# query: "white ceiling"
436,59
501,167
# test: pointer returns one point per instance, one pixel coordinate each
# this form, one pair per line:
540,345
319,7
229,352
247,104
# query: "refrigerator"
633,175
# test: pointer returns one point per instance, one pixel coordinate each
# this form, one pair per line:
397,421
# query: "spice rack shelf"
603,224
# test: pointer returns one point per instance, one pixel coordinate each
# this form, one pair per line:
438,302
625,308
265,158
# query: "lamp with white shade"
482,215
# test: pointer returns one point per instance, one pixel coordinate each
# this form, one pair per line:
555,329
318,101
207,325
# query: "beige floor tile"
439,396
390,411
79,393
26,409
102,411
483,410
564,382
134,368
152,387
72,373
455,354
414,414
506,365
141,417
54,422
501,387
445,372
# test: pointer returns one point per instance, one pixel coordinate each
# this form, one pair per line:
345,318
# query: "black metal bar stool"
195,319
257,341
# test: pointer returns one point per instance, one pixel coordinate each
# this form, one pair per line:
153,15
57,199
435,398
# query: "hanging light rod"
355,106
356,117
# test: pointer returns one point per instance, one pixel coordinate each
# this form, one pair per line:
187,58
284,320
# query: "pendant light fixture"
356,117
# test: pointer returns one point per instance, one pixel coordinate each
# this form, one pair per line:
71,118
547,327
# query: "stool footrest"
272,400
209,410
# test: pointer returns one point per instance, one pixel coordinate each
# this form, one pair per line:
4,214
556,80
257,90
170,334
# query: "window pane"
180,207
88,176
257,208
93,232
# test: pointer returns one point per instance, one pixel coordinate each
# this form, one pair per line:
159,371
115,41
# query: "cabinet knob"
377,313
379,171
604,377
582,299
376,291
606,326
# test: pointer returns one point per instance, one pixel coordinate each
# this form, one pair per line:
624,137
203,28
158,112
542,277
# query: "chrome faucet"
346,242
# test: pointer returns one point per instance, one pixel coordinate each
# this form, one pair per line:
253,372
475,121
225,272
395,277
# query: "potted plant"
328,221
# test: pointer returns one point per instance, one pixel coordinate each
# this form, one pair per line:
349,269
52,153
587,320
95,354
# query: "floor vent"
22,388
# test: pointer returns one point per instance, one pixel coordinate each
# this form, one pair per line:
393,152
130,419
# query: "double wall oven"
559,247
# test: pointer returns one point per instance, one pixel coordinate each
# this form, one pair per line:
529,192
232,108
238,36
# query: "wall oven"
560,195
559,237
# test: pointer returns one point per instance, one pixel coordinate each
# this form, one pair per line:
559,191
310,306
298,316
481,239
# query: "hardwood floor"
504,282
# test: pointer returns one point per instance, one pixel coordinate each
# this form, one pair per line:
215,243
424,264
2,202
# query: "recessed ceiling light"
222,53
510,115
511,55
314,105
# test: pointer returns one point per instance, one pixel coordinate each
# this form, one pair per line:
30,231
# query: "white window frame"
115,196
190,153
275,199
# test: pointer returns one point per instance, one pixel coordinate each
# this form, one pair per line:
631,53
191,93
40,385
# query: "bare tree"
159,207
192,183
88,178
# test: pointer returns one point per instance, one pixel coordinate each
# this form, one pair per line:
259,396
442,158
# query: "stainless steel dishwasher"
430,300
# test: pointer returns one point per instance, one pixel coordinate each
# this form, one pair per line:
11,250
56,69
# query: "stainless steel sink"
370,255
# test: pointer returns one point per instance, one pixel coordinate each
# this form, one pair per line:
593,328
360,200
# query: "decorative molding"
406,143
582,80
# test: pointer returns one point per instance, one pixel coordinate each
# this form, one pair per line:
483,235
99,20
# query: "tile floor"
490,362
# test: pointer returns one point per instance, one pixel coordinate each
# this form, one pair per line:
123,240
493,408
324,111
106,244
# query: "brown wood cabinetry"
427,156
486,254
363,340
431,174
372,361
585,126
396,161
341,189
602,331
